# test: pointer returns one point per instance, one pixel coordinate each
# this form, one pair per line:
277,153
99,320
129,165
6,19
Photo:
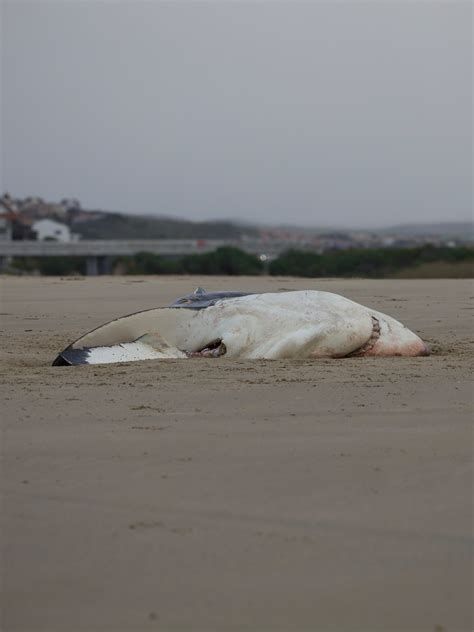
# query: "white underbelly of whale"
300,324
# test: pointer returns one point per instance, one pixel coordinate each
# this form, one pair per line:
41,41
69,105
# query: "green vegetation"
49,266
438,270
145,263
422,262
370,262
225,260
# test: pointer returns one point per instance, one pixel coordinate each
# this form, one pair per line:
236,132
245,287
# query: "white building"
50,230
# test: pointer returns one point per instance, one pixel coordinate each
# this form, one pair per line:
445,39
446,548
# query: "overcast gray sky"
318,113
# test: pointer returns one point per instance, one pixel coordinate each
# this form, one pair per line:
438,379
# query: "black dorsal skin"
201,299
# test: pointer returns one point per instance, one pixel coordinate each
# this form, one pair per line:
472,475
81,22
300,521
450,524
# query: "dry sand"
216,495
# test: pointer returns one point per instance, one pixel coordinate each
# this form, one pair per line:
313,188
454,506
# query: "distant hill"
119,226
464,230
98,224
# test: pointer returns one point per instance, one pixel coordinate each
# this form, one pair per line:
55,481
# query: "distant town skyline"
341,114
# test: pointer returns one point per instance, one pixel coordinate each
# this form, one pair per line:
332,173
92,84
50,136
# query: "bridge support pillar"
92,269
4,263
97,265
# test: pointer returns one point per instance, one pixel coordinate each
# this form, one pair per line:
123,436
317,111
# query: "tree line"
367,262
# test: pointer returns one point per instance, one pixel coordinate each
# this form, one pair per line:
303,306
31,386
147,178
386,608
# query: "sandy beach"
206,494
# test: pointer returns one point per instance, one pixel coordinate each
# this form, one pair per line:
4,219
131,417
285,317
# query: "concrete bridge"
99,252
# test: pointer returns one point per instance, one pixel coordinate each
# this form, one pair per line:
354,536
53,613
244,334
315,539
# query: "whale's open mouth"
213,349
367,346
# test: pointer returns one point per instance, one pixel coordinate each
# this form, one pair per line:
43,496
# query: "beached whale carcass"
298,324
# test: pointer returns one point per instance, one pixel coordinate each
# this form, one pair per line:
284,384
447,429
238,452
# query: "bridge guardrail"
115,248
